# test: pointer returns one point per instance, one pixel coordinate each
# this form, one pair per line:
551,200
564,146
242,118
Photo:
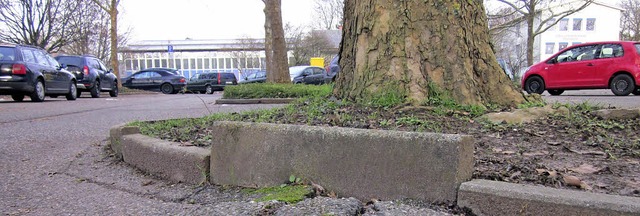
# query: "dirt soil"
577,151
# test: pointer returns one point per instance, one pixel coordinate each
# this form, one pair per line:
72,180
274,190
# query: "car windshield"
70,61
297,70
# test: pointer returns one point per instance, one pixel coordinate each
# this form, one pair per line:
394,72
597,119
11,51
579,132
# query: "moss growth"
288,194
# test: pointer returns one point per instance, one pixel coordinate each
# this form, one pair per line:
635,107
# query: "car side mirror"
61,66
110,71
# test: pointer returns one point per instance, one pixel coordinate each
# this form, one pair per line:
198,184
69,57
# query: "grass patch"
288,194
270,90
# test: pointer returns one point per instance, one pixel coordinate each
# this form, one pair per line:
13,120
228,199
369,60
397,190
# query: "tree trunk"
531,37
268,48
422,49
113,13
279,63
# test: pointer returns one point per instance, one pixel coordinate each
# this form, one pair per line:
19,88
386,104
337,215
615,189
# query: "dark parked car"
257,77
598,65
92,75
307,75
31,71
210,82
333,69
167,80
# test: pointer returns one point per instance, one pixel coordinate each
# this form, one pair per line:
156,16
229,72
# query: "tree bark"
268,48
279,63
113,13
423,49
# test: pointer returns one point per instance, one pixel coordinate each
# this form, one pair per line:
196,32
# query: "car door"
101,70
56,82
318,75
140,80
197,82
609,55
571,68
63,75
307,76
155,80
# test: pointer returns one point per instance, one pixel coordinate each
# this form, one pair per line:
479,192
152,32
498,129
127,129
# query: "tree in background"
328,14
421,51
111,6
507,43
247,57
49,24
275,45
305,45
538,15
94,35
630,20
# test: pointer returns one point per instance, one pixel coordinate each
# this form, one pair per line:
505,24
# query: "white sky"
205,19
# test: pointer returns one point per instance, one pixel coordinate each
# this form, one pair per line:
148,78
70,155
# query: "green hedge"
268,90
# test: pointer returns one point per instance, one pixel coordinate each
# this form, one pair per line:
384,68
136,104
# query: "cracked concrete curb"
256,101
483,197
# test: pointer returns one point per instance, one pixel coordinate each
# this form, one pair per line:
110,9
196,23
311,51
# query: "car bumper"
7,88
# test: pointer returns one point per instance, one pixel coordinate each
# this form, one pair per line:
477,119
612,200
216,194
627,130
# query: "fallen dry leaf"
572,180
585,169
575,181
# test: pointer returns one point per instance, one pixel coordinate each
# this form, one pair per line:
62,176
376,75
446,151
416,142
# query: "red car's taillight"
18,69
219,81
85,70
182,80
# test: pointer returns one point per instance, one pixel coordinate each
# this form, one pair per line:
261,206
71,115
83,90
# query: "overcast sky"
205,19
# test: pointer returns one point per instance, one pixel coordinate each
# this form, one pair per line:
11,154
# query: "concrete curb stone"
500,198
188,164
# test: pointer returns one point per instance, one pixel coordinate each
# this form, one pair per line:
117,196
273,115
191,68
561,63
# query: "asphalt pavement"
52,160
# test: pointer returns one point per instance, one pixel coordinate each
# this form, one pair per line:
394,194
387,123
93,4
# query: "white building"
597,22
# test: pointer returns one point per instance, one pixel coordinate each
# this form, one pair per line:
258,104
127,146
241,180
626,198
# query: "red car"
611,65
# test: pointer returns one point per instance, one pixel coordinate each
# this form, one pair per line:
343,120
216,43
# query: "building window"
577,24
549,48
563,25
562,45
591,24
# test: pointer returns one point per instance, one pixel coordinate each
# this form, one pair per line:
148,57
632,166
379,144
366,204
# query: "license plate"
229,82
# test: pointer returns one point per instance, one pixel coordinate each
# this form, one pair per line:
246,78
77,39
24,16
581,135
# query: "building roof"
191,45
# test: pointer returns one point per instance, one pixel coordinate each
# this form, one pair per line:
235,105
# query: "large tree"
421,49
49,24
630,20
111,6
539,16
275,45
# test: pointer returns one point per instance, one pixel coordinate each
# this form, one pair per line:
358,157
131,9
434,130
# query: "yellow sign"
317,62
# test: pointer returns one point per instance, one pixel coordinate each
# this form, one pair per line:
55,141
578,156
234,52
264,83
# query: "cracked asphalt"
52,160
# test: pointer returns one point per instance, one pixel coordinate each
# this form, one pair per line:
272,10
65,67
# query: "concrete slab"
361,163
188,164
500,198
